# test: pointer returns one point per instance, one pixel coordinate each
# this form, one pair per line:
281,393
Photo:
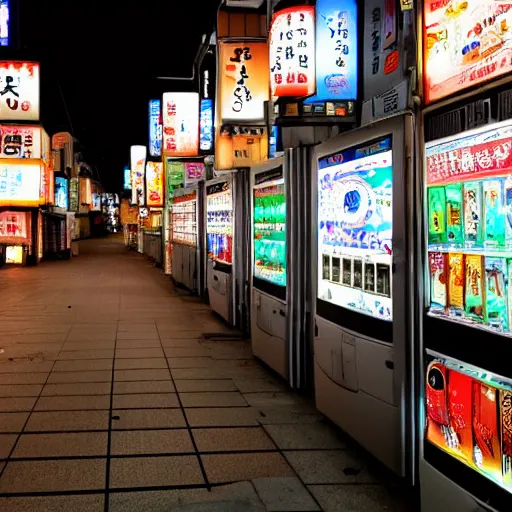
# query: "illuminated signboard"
292,52
180,124
61,192
138,164
19,91
4,22
20,184
206,125
243,80
194,172
466,43
20,141
46,193
175,176
127,178
155,128
336,50
155,184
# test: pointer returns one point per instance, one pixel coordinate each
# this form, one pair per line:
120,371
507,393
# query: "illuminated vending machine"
187,230
362,211
466,395
269,265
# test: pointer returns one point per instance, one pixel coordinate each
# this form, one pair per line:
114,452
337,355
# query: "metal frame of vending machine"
465,460
364,300
228,283
268,299
187,247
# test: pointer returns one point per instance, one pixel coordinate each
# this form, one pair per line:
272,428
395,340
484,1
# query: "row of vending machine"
376,268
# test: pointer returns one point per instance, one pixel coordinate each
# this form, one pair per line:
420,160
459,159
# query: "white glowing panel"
20,184
19,91
17,141
138,165
180,112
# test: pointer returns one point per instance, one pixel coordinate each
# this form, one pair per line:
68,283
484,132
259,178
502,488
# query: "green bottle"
436,215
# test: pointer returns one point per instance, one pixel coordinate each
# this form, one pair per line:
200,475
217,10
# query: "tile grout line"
187,423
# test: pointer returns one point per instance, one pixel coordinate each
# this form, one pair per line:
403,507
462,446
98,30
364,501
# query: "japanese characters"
19,91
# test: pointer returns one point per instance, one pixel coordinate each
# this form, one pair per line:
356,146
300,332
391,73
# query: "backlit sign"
4,22
127,178
206,125
20,183
336,50
292,52
155,128
155,184
243,80
20,141
194,172
180,124
61,192
138,164
19,91
465,44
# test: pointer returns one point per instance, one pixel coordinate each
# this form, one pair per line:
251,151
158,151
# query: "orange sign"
154,184
243,80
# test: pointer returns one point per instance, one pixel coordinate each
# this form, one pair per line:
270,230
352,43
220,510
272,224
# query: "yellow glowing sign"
14,254
155,184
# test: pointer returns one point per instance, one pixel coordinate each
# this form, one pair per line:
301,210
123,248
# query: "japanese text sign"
180,124
20,184
155,184
19,91
465,44
243,80
336,50
175,176
20,141
194,172
138,164
292,52
155,128
480,154
206,125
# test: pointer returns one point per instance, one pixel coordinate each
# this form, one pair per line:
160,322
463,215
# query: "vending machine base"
219,292
268,332
354,388
440,493
184,266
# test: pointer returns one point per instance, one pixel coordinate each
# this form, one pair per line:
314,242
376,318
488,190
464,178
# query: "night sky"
105,56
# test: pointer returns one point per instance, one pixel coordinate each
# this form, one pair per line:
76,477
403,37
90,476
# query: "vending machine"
466,462
227,242
363,215
187,239
269,265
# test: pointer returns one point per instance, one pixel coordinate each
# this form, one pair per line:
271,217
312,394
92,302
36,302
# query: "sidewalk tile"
215,399
80,355
304,437
139,375
191,386
139,353
14,367
20,390
286,494
66,421
6,443
190,362
146,401
13,421
147,418
85,388
149,386
147,442
139,364
232,439
83,503
23,378
128,344
223,417
73,403
17,404
75,377
82,366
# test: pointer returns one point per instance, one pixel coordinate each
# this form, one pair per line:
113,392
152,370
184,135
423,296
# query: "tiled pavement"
112,399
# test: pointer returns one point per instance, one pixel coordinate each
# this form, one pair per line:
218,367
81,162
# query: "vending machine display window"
469,416
270,231
219,222
469,194
184,219
355,217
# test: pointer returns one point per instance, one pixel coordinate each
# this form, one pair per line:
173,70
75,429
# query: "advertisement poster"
4,22
155,128
180,124
19,91
14,227
336,50
292,52
127,178
466,43
155,184
20,184
382,53
206,126
194,172
243,80
138,164
20,141
61,193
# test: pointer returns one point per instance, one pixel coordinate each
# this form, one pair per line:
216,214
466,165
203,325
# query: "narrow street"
115,395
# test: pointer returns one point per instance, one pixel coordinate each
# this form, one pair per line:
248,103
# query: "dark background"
100,59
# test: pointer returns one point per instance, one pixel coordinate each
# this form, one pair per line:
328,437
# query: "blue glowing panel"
61,193
336,50
127,179
272,142
206,125
4,22
155,129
